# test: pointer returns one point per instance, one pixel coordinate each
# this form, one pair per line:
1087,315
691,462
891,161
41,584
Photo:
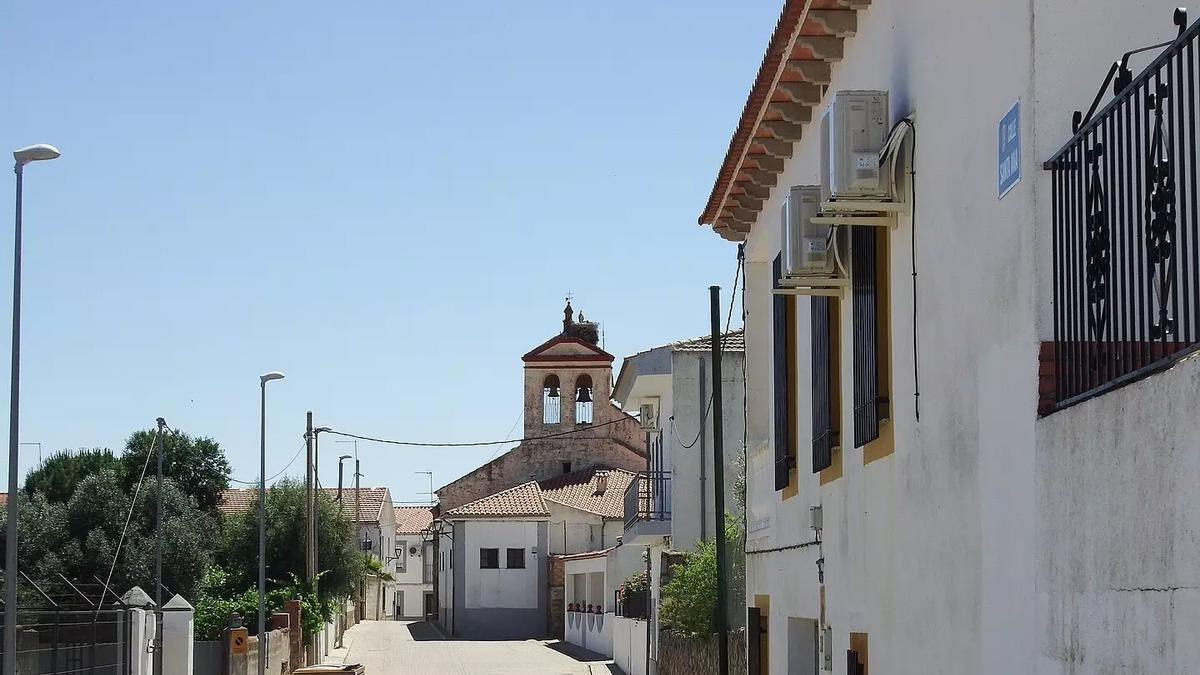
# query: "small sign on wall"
1009,150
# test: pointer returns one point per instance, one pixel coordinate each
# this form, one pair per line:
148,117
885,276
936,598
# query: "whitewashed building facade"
997,415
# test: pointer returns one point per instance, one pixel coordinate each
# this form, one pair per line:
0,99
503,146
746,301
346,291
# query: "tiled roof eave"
793,76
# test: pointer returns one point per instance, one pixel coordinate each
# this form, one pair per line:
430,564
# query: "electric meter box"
806,245
858,129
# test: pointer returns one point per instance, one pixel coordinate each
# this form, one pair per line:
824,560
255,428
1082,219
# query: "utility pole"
719,486
158,520
310,566
310,530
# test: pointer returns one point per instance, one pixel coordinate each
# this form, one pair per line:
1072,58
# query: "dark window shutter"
783,413
824,437
853,665
754,664
866,357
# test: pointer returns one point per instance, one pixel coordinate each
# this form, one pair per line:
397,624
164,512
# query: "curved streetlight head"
267,377
35,153
344,457
321,430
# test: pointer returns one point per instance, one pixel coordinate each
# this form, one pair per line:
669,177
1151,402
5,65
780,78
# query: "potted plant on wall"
635,596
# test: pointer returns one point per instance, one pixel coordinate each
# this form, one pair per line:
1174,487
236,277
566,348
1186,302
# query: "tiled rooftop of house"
733,341
522,501
410,519
597,490
235,500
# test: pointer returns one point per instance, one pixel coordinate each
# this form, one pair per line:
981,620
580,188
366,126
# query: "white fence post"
177,637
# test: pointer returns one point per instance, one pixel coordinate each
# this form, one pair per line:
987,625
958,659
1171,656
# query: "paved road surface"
401,647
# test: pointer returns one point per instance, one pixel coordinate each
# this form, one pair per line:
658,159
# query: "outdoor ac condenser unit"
806,245
858,130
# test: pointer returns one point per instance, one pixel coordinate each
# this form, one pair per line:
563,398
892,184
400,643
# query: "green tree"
689,599
340,564
58,474
80,538
197,464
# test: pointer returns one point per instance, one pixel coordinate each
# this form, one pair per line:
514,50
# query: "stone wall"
537,460
557,581
680,654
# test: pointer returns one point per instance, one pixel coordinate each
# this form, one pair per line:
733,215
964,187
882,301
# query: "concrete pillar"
237,647
178,636
137,642
296,653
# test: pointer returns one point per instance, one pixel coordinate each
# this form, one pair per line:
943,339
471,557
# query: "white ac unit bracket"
831,287
861,212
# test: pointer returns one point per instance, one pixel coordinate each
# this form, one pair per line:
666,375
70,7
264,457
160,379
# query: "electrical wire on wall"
737,275
892,150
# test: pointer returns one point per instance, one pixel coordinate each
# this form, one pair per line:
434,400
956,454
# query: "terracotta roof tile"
235,500
598,490
411,519
522,501
734,341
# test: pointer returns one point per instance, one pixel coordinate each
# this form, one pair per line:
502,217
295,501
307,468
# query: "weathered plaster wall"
1118,562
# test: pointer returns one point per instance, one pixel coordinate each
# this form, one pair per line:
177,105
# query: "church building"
570,422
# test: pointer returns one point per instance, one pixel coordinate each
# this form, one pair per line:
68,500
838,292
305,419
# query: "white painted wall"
508,588
629,645
940,550
687,371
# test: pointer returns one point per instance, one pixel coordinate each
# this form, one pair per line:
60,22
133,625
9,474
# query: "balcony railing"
1126,241
648,497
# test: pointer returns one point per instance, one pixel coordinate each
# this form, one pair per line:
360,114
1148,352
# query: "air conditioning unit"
857,124
807,246
648,417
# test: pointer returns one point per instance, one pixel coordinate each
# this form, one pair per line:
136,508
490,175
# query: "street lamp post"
262,522
33,153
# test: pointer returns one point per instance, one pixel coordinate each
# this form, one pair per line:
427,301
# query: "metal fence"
648,497
73,641
1126,241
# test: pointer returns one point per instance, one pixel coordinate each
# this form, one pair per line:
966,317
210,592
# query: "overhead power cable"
129,516
422,444
277,475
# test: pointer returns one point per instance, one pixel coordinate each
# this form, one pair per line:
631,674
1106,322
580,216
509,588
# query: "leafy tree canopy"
196,464
339,565
58,474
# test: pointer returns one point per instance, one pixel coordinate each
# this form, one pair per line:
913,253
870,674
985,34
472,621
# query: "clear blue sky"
387,201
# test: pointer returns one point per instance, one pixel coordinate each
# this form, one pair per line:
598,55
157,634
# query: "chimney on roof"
601,483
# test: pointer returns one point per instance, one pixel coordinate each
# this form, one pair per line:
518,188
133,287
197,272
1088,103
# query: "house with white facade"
972,313
673,506
500,544
371,510
413,562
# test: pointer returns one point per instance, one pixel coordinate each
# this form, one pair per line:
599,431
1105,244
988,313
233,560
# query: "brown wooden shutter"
824,436
864,282
781,356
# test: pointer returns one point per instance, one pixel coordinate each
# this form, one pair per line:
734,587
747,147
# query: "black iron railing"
648,497
1126,240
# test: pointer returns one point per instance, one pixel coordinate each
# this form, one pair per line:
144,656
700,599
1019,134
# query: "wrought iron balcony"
648,505
1126,230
